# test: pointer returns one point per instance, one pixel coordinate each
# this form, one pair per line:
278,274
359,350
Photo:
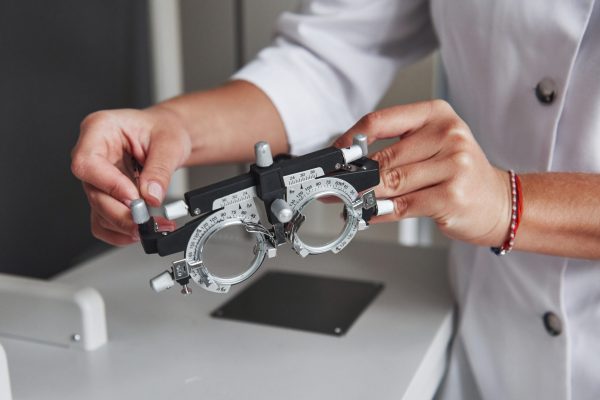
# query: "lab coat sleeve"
331,62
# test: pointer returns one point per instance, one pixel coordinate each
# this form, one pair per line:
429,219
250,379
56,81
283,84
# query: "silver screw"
196,211
337,331
185,290
76,337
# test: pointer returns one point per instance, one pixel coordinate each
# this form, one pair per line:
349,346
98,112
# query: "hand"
436,169
101,159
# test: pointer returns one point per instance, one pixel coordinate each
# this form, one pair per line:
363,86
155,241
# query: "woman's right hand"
102,160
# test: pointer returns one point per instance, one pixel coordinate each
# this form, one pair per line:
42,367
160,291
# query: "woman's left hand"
436,169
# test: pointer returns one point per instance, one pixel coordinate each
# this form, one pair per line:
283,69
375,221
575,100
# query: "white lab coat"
331,63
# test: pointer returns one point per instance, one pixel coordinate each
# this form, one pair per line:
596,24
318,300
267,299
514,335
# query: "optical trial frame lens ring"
261,251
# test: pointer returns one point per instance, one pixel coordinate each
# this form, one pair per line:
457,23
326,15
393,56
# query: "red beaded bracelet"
515,215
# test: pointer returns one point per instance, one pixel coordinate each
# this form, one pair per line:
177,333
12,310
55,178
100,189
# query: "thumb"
165,155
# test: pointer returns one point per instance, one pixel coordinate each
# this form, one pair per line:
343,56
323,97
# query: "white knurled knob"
162,282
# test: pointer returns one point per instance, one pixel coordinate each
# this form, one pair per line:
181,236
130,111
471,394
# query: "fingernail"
135,237
155,190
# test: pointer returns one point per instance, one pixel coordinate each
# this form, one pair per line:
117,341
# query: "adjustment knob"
139,211
282,211
385,207
358,150
162,282
175,210
264,158
361,141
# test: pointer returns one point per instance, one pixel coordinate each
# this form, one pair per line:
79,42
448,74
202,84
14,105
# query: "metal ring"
261,251
349,229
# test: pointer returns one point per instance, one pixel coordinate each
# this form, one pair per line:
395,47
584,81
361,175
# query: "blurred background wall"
63,59
59,61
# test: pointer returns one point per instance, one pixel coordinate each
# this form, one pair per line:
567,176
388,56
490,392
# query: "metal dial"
299,196
244,213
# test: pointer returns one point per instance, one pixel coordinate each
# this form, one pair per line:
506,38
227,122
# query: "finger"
412,177
99,148
428,202
421,145
115,213
117,216
395,121
165,155
100,173
164,224
329,199
101,230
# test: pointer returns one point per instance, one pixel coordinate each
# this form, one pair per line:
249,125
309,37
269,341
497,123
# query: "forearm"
224,123
561,215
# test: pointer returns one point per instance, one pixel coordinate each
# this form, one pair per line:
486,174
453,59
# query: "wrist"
496,235
164,116
167,125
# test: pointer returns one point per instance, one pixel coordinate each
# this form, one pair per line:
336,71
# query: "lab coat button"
552,323
546,91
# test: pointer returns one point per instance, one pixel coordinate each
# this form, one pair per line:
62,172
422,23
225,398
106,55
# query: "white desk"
164,346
